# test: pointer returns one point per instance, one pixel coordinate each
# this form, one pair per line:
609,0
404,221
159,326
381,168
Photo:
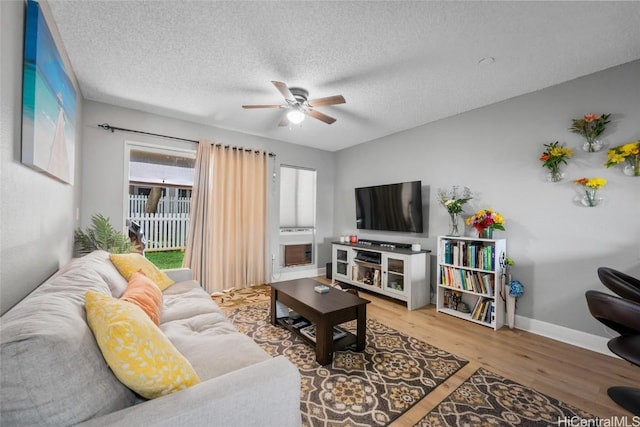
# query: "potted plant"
453,200
627,153
552,157
591,187
591,127
102,235
485,221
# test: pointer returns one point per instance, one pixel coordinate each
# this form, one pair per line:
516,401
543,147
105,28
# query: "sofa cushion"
201,332
145,294
127,264
52,370
206,338
186,299
139,354
99,262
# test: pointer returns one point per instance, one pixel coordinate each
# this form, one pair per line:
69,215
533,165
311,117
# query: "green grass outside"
166,259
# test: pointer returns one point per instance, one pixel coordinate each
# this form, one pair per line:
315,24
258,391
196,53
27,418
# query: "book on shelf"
485,309
480,281
475,308
479,311
310,332
467,280
445,250
475,315
468,254
472,255
487,280
490,318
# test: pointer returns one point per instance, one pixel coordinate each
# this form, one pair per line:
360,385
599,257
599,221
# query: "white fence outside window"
165,230
166,204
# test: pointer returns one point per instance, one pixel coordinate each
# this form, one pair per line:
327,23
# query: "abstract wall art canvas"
48,102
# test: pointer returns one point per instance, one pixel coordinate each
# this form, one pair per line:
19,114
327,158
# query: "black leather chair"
622,284
620,314
623,316
627,347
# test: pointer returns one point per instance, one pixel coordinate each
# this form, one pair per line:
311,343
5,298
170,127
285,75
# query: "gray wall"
556,244
37,212
104,178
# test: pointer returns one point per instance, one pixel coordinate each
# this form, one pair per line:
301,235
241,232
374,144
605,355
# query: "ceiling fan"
300,106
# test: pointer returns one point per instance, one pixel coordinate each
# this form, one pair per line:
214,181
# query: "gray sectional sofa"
53,372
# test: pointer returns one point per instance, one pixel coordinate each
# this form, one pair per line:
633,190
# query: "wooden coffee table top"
334,300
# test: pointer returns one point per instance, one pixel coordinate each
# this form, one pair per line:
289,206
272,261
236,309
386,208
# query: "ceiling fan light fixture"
298,106
295,116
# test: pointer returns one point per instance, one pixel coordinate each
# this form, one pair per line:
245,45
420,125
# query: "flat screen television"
391,207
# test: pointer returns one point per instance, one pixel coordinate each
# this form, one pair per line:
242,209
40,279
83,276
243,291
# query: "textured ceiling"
399,64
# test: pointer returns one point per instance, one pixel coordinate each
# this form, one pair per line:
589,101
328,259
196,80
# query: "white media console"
384,268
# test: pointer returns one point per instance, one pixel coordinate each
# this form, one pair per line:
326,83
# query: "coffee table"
325,310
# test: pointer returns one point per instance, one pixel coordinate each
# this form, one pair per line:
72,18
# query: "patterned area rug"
487,399
238,297
369,388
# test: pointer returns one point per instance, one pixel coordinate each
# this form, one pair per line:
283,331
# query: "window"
158,194
297,197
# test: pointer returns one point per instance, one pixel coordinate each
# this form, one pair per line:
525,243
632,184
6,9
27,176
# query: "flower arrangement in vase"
485,221
591,187
552,157
629,153
591,127
453,200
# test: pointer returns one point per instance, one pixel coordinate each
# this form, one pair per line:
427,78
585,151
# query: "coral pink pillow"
144,293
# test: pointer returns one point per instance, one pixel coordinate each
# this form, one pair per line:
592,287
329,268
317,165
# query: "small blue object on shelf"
321,289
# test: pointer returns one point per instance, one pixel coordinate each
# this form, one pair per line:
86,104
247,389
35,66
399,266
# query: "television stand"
398,273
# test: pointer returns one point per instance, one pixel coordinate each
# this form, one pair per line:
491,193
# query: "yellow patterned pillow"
127,264
135,349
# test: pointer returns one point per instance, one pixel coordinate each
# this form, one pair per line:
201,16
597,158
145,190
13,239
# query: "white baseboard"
560,333
284,275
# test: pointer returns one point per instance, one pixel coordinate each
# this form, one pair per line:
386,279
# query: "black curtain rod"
107,126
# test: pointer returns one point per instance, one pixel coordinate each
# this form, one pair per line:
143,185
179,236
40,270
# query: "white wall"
104,178
37,212
556,244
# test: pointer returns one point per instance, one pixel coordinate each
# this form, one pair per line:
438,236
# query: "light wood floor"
571,374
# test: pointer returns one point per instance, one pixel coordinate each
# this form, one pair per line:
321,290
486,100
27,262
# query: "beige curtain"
227,242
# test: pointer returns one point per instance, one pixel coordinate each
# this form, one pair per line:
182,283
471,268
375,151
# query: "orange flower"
581,181
591,117
544,157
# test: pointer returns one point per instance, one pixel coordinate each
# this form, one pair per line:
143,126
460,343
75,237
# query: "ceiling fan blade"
284,90
284,121
262,106
329,100
320,116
